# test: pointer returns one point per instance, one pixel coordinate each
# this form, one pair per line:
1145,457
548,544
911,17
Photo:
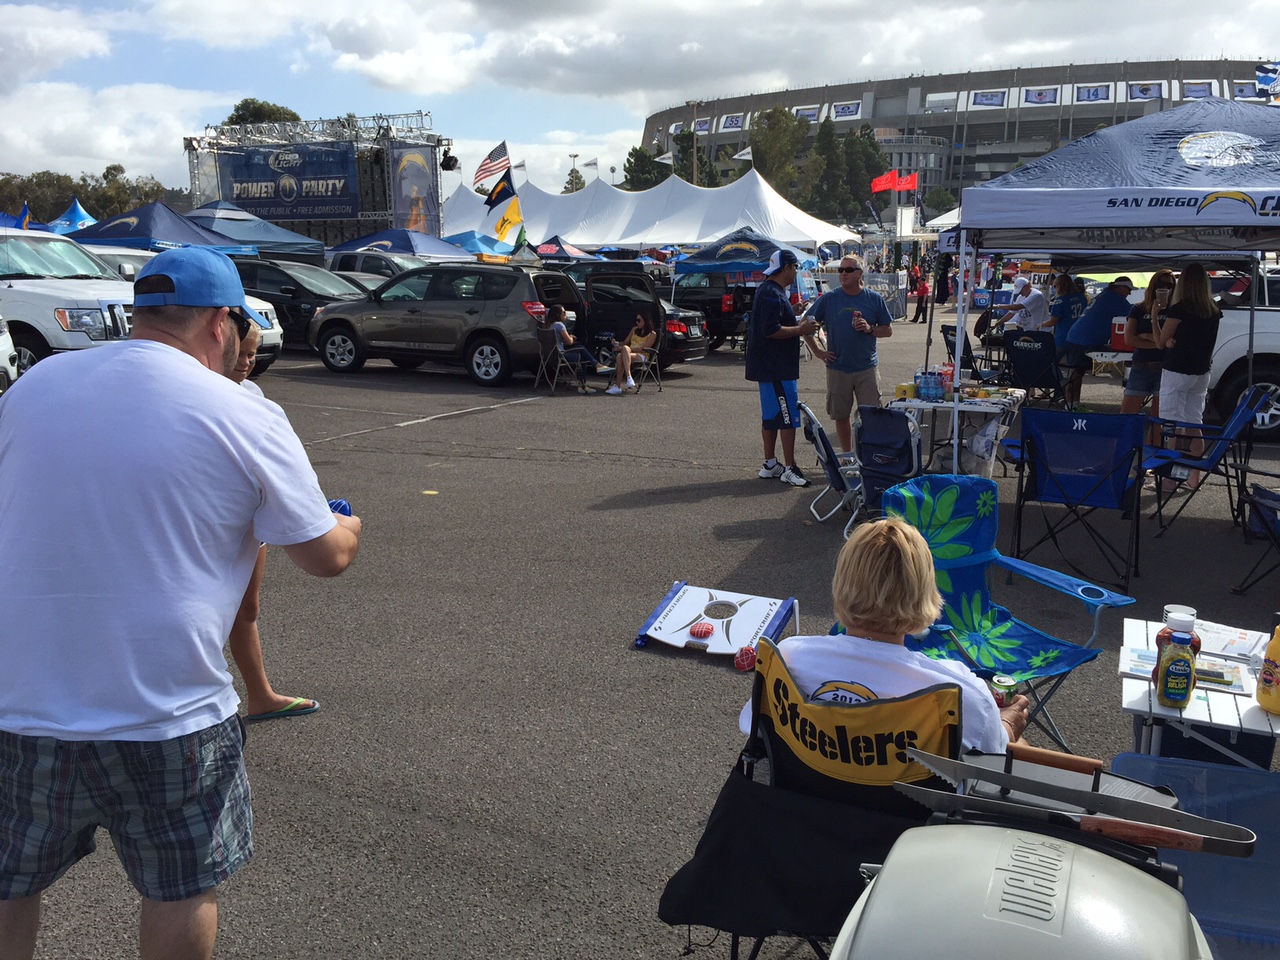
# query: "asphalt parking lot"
496,771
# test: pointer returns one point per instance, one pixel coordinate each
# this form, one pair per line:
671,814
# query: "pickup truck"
723,302
56,297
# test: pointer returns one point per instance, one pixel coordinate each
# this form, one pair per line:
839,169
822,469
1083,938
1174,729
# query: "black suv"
296,290
483,316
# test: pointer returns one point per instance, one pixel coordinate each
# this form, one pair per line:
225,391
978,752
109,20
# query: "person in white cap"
1030,309
117,709
1093,332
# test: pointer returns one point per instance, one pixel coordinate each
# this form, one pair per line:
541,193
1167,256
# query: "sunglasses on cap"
243,323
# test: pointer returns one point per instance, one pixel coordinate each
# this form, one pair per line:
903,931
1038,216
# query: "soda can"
1003,688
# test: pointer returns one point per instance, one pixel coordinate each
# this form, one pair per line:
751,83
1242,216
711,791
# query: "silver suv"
483,316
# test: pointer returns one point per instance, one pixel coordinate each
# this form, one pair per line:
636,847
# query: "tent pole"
1256,277
962,316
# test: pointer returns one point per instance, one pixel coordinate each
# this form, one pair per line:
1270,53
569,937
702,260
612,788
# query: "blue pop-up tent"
157,227
473,242
75,217
272,241
741,251
406,241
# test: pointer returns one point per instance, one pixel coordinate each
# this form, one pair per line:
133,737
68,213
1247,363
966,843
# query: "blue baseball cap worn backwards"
201,278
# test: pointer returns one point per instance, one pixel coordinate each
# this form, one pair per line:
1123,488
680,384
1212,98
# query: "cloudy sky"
90,83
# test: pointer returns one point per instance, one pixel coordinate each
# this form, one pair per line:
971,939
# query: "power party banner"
293,182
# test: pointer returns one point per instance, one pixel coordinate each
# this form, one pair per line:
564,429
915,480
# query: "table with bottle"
985,416
1224,697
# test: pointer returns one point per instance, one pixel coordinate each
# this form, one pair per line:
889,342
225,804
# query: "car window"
498,286
273,279
693,280
248,273
344,261
1273,291
456,285
412,286
380,265
321,281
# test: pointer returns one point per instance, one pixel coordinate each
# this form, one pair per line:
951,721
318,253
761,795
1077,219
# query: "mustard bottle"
1176,672
1269,676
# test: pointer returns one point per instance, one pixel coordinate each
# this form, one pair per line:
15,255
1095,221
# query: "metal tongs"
1091,811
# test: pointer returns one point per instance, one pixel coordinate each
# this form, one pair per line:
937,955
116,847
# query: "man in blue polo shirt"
854,318
1093,332
773,361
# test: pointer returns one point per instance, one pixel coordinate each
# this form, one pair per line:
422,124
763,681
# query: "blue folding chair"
958,516
1261,522
1227,449
1073,464
1033,364
844,476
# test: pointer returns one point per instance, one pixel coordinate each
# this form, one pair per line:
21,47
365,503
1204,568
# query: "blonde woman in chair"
642,338
884,589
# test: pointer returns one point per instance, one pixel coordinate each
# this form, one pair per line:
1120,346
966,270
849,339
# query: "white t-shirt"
1034,313
135,486
848,669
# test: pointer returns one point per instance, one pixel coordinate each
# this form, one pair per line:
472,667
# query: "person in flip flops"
261,701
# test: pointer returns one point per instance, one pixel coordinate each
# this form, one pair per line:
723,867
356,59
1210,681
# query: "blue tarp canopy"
8,220
742,251
157,227
76,217
473,243
407,241
272,241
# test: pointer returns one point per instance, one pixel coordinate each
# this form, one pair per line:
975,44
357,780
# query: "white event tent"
673,212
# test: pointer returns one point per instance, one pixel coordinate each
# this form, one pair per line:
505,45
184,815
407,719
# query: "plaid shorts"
177,810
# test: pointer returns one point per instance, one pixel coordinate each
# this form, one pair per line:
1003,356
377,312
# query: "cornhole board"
736,620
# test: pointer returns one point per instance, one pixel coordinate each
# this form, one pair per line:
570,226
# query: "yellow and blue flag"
511,219
24,218
502,191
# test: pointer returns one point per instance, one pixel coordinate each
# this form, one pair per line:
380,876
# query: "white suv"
8,358
1229,374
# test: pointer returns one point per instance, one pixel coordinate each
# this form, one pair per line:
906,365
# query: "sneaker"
614,390
771,473
793,476
631,384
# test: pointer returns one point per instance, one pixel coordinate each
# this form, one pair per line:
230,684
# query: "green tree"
776,138
640,170
46,194
575,181
864,161
708,174
250,110
829,195
940,200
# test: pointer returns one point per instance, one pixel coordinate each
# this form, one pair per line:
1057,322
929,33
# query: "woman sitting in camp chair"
641,339
884,589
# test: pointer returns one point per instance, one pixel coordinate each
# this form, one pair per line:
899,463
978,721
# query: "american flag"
495,162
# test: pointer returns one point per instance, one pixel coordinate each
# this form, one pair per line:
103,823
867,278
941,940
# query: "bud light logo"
283,160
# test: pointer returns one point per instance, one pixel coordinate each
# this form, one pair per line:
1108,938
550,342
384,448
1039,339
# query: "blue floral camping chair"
958,516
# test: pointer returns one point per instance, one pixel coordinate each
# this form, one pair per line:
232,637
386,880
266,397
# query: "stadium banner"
296,181
1093,93
415,194
1197,89
988,98
849,110
806,113
1146,91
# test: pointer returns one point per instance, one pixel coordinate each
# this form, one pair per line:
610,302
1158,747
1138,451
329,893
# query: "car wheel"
341,351
1267,424
408,363
31,348
717,341
488,362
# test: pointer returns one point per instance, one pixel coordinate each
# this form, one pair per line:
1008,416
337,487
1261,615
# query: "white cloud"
35,40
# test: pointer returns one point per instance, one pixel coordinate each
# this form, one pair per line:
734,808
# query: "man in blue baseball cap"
117,709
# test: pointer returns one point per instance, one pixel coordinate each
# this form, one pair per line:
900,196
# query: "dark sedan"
686,336
296,290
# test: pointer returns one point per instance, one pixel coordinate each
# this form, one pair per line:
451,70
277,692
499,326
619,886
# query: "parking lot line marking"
410,423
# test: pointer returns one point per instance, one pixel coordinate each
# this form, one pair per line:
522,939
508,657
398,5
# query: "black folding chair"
996,376
1033,365
1261,523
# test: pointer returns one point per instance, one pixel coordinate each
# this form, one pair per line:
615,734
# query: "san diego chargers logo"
127,222
842,691
1236,195
750,248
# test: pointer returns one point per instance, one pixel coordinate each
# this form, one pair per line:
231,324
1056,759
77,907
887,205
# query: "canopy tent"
554,248
157,227
742,251
1199,180
272,241
1201,177
478,243
75,217
944,222
672,212
9,220
407,241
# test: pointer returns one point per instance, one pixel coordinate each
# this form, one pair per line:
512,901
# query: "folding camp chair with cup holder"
554,367
957,515
782,857
1033,366
1261,522
996,376
1226,448
1072,465
842,472
645,369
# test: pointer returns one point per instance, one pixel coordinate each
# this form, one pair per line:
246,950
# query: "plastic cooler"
1233,899
1117,337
